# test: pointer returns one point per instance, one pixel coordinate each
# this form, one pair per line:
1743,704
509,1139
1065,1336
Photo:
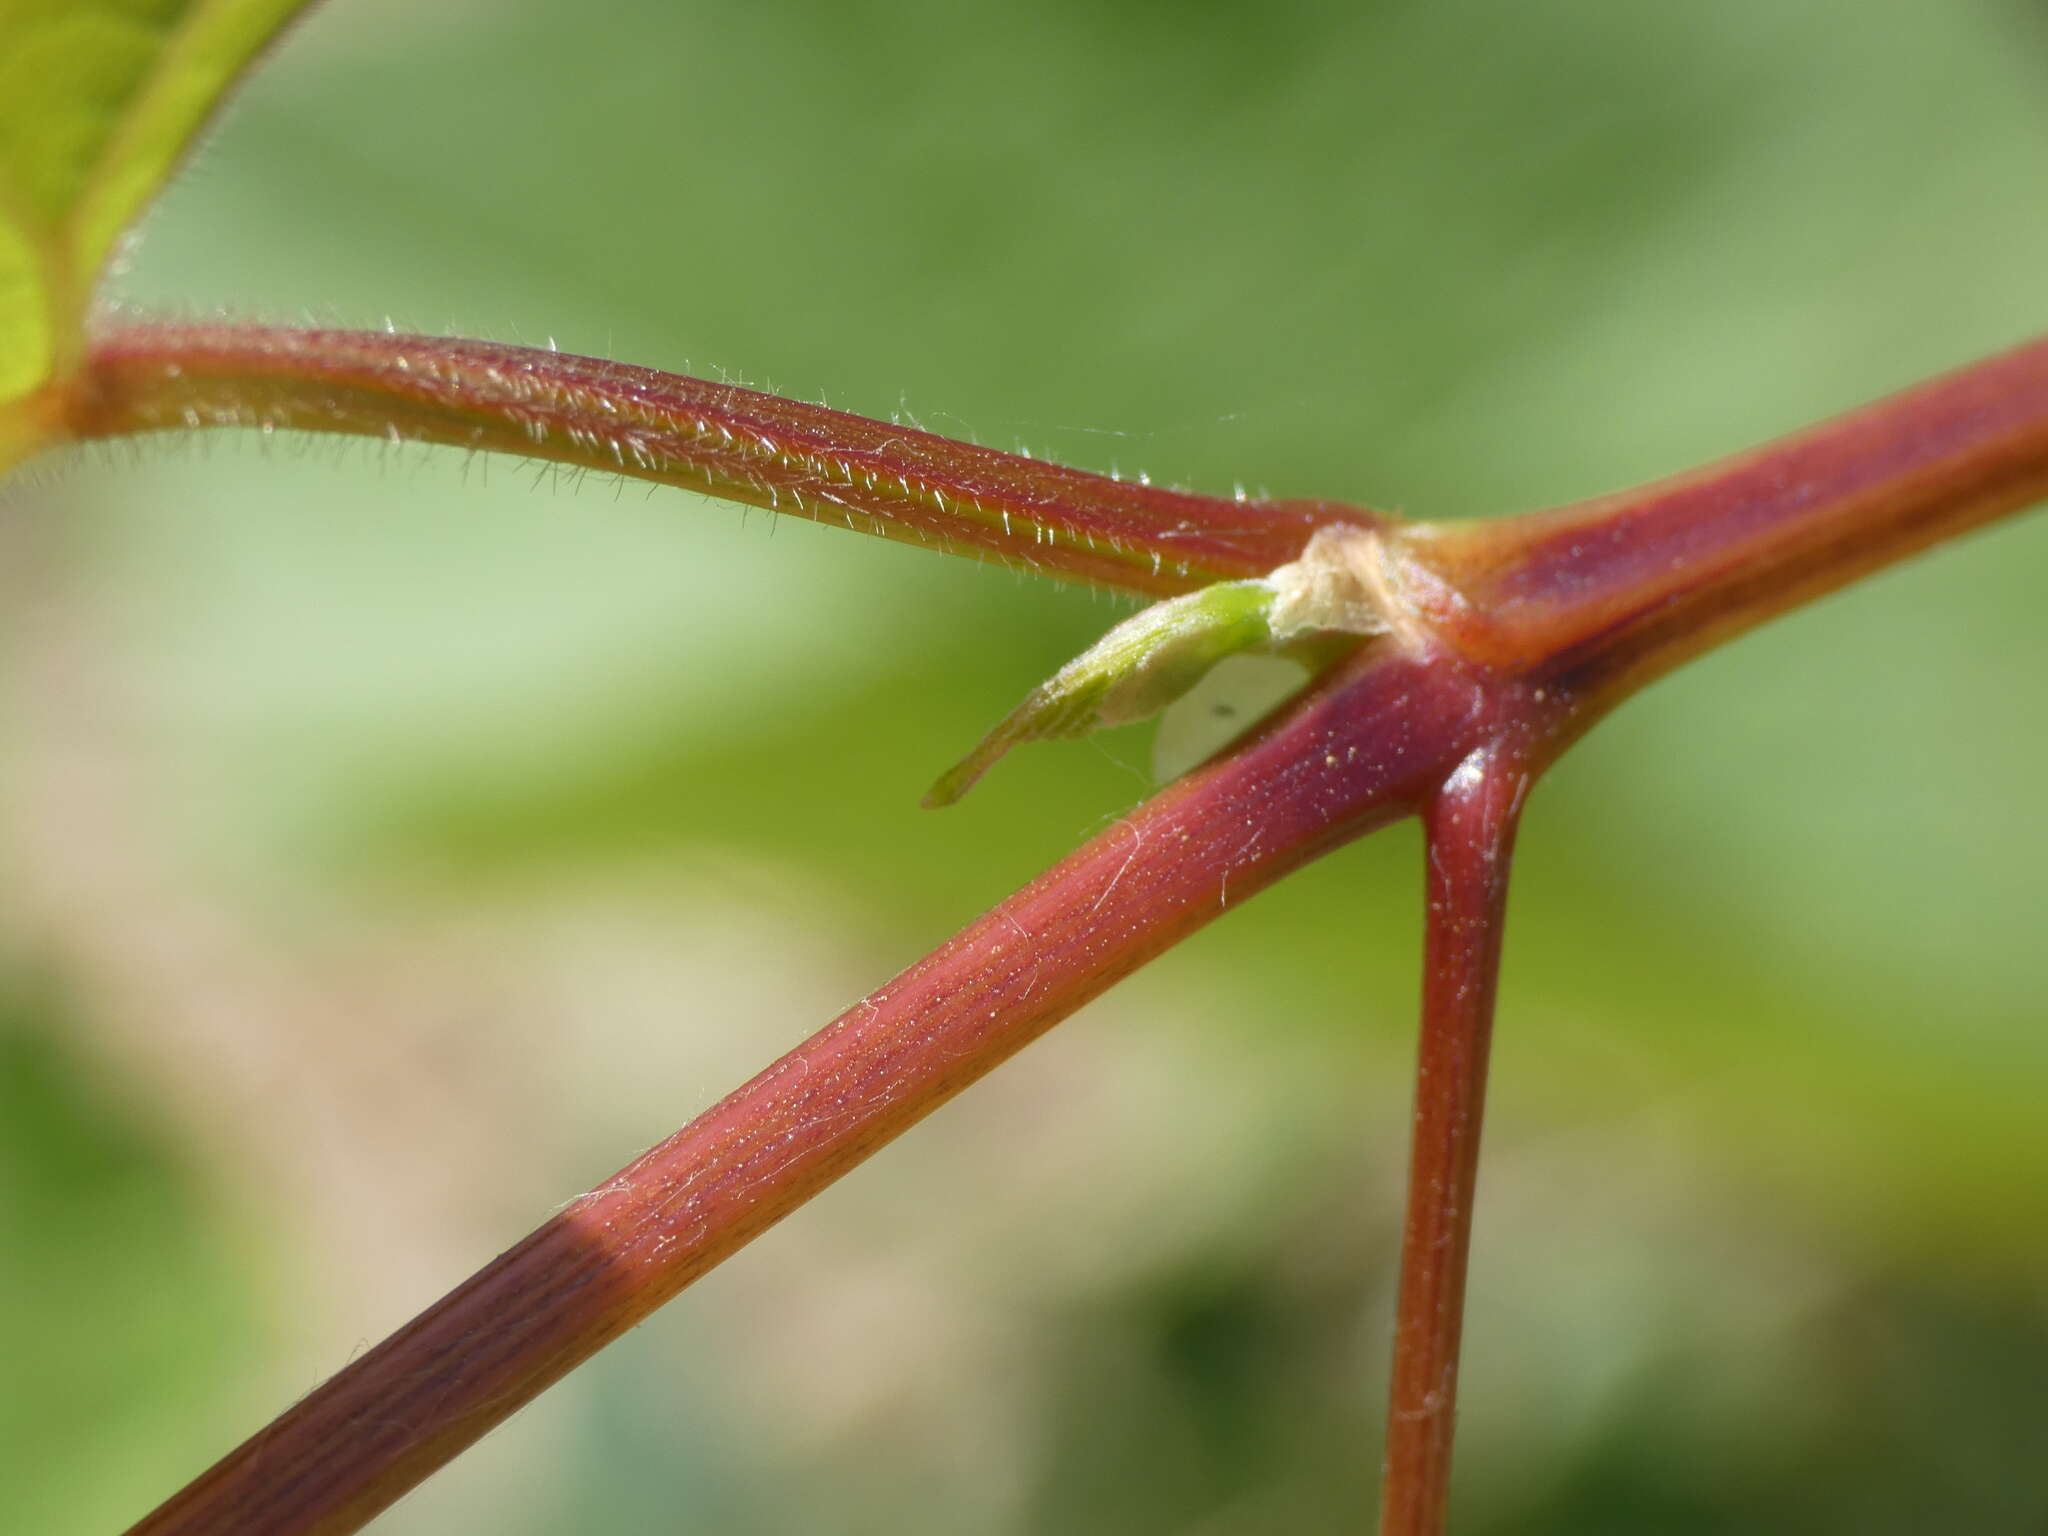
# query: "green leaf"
98,99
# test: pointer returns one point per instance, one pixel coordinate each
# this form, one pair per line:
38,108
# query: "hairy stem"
1368,748
735,443
1470,831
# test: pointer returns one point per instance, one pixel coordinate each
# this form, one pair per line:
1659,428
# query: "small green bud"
1155,656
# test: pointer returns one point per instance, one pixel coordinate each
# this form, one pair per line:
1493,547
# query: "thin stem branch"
786,455
1366,749
1470,830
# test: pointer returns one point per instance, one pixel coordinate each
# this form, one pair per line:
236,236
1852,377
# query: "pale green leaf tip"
1155,656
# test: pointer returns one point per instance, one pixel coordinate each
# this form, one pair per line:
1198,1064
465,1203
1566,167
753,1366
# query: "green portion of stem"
27,329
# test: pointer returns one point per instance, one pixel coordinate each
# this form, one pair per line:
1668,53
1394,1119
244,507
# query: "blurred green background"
396,847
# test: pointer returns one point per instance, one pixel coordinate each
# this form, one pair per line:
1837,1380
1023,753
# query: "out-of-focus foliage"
398,844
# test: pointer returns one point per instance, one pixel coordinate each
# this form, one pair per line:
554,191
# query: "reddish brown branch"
1470,828
735,443
1364,751
1613,592
1514,637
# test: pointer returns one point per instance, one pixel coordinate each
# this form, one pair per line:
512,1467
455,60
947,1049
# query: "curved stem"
1470,831
739,444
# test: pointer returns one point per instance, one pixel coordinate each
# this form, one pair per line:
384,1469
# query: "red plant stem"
1470,831
736,443
1517,635
1601,596
1607,594
1369,748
